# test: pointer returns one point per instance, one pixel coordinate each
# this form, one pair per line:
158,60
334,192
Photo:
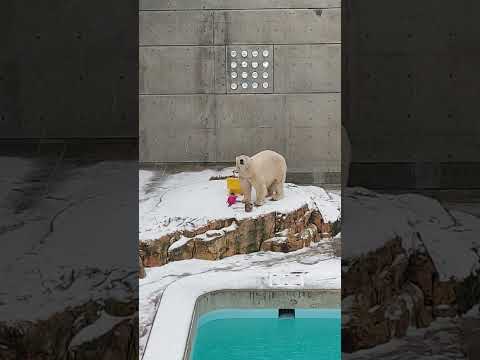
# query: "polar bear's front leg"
246,189
261,192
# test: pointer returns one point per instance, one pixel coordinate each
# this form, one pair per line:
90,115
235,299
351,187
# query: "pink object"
232,199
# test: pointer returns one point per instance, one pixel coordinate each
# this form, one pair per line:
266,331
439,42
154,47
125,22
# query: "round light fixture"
233,86
233,64
233,53
254,64
244,53
265,85
254,74
265,64
265,75
265,53
234,75
244,85
254,53
254,85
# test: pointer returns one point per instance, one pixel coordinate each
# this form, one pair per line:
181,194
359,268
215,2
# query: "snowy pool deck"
169,293
181,283
170,332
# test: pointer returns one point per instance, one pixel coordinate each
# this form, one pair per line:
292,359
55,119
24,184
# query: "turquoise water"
258,334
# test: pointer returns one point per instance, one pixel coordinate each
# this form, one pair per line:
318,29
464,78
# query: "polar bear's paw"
277,197
259,203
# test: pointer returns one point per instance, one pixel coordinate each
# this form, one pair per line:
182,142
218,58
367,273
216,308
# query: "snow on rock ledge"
406,261
185,216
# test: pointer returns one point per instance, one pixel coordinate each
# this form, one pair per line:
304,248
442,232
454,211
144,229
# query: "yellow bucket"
233,185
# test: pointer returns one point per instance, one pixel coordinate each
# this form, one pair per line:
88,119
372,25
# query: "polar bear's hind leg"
261,192
278,191
271,190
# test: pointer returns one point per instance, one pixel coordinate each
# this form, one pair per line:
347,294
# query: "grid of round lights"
249,64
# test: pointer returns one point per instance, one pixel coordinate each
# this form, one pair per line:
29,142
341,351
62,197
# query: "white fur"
266,172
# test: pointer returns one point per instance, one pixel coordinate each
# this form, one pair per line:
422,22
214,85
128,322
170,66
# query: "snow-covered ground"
54,241
189,200
318,261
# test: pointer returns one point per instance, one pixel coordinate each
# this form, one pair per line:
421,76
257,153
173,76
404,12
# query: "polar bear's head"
243,165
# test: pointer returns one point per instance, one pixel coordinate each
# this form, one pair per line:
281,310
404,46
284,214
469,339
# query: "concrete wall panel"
219,71
277,26
307,68
176,28
235,4
250,111
313,110
303,127
189,112
176,69
318,147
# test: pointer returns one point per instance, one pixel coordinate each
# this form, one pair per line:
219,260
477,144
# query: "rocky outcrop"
53,338
141,269
227,237
388,290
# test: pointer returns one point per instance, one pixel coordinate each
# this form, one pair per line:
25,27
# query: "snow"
207,236
179,243
98,328
321,269
372,219
45,213
189,200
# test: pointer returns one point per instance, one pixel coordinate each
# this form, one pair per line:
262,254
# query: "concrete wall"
67,70
189,113
411,93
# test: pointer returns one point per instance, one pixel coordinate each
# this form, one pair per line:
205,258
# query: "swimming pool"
260,334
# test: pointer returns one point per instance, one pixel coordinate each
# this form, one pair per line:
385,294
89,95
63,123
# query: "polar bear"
265,171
